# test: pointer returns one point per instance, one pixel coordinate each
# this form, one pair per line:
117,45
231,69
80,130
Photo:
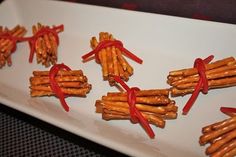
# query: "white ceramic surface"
164,43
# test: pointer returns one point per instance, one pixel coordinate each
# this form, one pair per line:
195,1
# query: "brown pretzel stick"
111,59
7,45
220,74
150,92
45,80
68,91
70,82
153,104
221,136
218,125
64,73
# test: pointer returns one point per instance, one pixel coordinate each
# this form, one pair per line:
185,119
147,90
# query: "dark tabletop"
22,135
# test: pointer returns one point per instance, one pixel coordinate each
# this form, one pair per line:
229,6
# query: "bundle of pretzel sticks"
111,59
222,138
71,83
154,105
7,46
45,47
221,73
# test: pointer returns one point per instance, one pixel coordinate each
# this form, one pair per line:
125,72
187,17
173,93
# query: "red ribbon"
202,82
228,110
107,43
135,114
55,87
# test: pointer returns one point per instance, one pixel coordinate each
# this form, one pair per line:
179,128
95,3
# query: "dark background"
215,10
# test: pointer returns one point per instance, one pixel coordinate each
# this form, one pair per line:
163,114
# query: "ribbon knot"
202,84
107,43
132,101
45,30
54,85
135,114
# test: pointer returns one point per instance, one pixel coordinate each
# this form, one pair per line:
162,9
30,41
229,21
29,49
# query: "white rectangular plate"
164,43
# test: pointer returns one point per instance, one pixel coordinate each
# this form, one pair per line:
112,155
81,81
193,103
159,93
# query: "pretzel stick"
126,66
109,62
115,62
45,79
54,47
104,63
93,42
150,92
218,125
68,91
62,84
121,72
61,73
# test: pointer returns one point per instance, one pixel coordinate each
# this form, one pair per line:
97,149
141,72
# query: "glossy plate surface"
164,43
